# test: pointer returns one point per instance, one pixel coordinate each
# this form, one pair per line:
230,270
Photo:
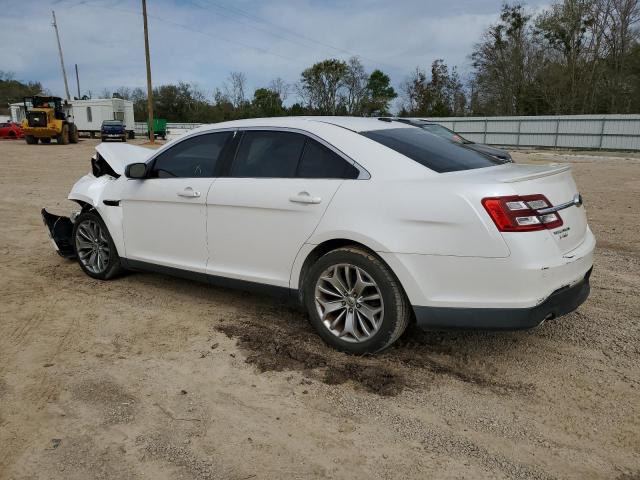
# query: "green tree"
267,103
440,96
13,91
380,93
504,62
321,83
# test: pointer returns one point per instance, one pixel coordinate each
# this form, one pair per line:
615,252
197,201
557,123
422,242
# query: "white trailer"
89,114
17,112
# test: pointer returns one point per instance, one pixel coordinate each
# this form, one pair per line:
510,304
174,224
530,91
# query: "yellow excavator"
48,118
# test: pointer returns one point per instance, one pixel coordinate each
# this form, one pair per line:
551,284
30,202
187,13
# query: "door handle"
304,197
189,192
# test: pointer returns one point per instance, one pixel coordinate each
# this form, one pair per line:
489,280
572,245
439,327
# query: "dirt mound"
278,348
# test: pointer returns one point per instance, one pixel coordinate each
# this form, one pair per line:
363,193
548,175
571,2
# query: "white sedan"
370,223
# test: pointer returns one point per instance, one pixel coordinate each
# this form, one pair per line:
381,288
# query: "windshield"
431,151
112,123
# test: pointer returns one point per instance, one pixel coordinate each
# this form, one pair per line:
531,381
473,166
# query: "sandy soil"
153,377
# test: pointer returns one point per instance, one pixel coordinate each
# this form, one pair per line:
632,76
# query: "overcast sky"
201,41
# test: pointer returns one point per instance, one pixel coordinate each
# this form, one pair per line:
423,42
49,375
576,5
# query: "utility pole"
78,82
152,135
64,72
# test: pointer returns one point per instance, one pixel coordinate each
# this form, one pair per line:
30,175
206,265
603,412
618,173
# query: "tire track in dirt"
282,340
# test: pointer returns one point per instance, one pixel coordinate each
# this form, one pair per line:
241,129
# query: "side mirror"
136,170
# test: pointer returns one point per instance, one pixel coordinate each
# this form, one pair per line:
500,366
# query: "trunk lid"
556,183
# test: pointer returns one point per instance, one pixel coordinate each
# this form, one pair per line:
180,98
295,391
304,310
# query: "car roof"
355,124
359,124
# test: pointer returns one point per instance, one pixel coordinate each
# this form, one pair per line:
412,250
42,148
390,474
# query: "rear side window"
268,154
319,161
431,151
194,157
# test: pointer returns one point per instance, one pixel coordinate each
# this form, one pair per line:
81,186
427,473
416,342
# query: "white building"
88,115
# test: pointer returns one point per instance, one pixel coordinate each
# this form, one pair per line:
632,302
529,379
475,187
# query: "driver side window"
192,158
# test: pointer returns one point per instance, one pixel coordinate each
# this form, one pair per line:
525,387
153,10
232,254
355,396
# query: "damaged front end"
60,232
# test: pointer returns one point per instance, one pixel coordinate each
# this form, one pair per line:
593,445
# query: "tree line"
574,57
329,87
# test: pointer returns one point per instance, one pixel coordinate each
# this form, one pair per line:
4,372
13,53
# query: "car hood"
118,156
493,151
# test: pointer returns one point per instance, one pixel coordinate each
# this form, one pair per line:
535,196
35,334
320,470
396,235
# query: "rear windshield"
431,151
112,123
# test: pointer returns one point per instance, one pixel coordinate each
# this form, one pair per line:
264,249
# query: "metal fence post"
555,138
519,127
602,131
484,138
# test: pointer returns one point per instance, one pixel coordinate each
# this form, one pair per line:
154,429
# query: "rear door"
277,189
164,215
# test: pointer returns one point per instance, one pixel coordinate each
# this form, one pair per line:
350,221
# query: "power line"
255,18
190,28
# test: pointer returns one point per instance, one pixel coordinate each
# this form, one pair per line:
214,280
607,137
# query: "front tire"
73,134
63,137
30,139
354,301
45,141
95,250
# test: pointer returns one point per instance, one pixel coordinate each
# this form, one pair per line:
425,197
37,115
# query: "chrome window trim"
184,138
363,174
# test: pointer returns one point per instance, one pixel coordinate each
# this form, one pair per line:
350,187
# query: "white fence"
611,132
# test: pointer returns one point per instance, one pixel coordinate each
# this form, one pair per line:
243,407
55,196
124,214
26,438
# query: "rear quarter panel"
427,216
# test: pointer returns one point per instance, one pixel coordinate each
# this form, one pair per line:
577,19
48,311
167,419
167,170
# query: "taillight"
520,213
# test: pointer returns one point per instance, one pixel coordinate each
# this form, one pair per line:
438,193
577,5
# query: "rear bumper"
560,302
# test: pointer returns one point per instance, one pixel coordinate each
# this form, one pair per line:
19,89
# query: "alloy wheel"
92,246
349,302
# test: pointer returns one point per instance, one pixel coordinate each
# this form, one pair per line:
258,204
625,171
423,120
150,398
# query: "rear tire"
355,302
46,141
63,137
124,139
31,140
94,247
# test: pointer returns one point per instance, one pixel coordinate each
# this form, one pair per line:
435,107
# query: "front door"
164,215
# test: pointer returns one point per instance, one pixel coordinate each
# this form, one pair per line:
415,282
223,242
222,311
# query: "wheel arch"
111,217
314,252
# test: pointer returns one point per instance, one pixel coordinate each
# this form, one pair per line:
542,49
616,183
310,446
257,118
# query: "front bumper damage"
60,231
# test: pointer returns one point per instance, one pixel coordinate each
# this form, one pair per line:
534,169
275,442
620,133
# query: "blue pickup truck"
113,130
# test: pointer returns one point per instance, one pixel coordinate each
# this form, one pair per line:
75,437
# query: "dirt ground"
149,376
